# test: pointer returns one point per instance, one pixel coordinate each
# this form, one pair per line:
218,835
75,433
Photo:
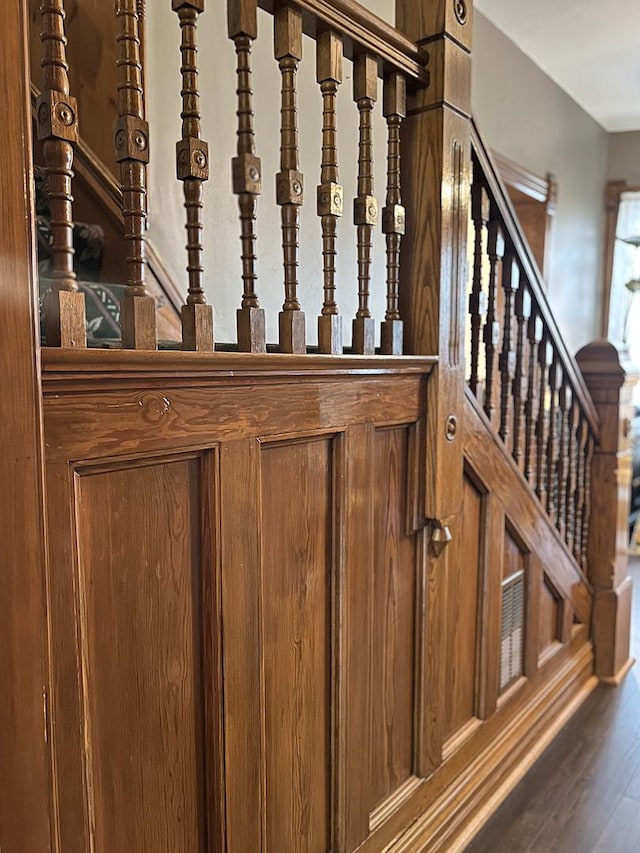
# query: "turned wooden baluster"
523,312
246,169
533,402
552,438
57,114
581,476
330,200
394,109
137,307
573,416
586,508
507,359
477,298
564,404
365,205
491,336
289,181
192,167
542,420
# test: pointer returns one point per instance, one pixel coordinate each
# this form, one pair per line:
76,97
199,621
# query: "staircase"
302,598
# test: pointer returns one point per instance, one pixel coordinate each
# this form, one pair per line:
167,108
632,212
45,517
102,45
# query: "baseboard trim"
617,679
455,817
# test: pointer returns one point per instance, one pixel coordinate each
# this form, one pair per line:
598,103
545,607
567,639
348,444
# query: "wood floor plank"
585,782
622,832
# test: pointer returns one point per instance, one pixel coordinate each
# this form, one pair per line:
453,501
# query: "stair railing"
530,387
340,28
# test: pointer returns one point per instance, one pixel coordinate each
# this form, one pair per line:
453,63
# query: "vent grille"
512,630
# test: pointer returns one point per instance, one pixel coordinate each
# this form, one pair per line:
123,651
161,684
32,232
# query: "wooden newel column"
435,175
610,387
436,168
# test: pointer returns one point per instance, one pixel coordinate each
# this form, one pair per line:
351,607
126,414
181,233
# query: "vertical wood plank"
296,617
492,578
24,780
239,490
353,745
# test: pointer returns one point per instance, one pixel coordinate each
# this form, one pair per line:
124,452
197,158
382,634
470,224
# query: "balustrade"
546,420
341,31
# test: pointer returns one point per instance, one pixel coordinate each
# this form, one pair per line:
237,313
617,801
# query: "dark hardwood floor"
583,793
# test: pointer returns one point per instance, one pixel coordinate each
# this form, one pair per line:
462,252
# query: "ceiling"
590,48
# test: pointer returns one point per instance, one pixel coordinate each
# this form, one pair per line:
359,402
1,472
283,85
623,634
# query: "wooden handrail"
362,29
515,235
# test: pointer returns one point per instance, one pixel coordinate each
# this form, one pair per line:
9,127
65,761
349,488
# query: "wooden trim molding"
24,752
612,194
521,179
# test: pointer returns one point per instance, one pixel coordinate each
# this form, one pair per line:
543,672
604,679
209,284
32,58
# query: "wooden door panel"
462,609
140,588
393,651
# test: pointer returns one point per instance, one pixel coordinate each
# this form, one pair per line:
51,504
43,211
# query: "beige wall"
623,161
524,115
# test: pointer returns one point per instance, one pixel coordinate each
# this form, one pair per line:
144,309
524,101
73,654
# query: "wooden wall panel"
394,616
462,608
296,535
549,616
140,590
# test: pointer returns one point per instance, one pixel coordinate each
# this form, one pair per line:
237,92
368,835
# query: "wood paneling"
549,616
24,776
296,611
394,616
461,620
141,618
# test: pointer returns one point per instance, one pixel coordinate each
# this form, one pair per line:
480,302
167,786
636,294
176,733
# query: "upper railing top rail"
360,28
515,236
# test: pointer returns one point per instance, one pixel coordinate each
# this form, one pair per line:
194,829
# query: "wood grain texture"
393,647
239,489
24,780
141,623
296,611
461,645
124,421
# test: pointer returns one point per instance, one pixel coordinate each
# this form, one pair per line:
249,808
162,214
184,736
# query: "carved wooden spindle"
330,200
523,312
58,128
586,507
394,108
495,250
477,299
507,359
581,474
192,166
246,169
289,181
564,405
552,437
570,485
533,402
542,421
137,308
365,205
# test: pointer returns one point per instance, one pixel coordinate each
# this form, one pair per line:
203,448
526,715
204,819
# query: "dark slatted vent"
512,629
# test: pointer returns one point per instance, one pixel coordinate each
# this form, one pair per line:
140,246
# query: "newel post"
436,180
436,169
610,387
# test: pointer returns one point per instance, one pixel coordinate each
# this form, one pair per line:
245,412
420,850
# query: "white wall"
221,231
524,115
